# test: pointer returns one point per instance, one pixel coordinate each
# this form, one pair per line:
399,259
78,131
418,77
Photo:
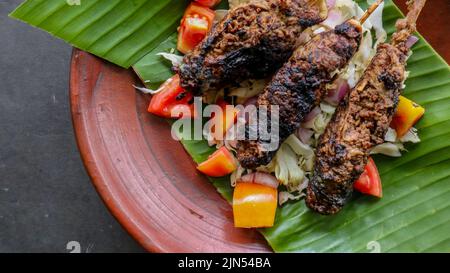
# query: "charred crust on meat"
349,30
252,41
299,86
390,81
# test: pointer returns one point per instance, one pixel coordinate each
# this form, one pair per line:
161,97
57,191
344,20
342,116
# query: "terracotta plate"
145,177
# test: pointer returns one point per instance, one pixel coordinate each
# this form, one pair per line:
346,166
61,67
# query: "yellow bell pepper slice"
407,114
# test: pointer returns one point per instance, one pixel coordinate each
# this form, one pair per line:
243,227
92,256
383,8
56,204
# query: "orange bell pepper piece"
254,205
407,114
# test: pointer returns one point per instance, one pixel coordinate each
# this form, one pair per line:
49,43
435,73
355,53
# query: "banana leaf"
121,32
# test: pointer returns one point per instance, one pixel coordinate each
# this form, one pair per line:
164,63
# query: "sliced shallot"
304,134
314,112
331,3
260,178
335,96
412,40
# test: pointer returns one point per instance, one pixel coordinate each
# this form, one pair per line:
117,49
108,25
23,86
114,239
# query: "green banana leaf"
153,69
121,32
414,213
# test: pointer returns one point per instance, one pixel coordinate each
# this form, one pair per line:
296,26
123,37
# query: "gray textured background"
46,197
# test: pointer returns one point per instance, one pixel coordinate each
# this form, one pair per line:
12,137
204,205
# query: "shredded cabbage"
236,175
411,136
389,149
319,123
285,196
391,135
376,19
176,60
146,90
247,89
291,163
394,145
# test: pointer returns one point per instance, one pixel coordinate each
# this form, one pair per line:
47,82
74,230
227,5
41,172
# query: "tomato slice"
196,10
220,163
196,22
369,182
223,122
407,114
254,205
191,33
172,101
208,3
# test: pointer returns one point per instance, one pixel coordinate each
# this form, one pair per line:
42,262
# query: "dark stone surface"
46,197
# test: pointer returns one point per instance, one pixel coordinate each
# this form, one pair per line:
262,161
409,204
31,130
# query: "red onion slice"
304,135
309,120
331,3
260,178
334,18
314,112
336,95
412,40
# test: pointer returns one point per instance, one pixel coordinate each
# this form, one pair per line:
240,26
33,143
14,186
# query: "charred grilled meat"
360,122
300,85
251,41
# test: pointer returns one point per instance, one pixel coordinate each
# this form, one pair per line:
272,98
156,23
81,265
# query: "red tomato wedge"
196,22
254,205
220,163
208,3
196,10
172,101
369,182
224,121
191,33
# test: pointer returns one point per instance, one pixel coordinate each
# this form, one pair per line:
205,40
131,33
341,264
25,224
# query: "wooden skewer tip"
369,11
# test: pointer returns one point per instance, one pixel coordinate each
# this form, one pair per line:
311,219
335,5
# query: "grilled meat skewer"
300,84
361,121
252,41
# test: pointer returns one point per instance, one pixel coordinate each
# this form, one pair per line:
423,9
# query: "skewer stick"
414,9
369,11
405,27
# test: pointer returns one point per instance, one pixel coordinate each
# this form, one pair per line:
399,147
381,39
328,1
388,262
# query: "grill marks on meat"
360,123
300,85
252,41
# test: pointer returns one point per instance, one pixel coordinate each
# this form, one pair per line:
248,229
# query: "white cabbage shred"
175,59
394,145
